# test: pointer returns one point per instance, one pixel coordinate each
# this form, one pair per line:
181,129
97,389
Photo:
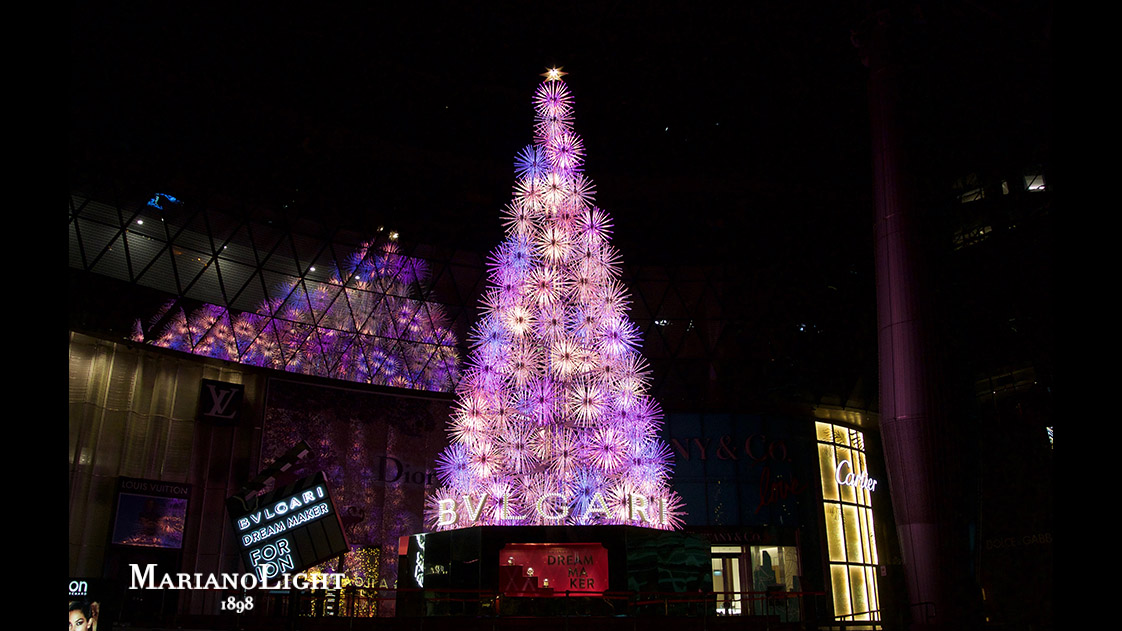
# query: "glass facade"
847,506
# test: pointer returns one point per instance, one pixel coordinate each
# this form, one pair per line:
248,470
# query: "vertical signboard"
288,530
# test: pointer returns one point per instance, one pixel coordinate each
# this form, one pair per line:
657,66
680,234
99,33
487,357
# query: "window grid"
848,516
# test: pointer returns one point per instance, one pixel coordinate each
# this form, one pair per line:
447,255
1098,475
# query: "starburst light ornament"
553,423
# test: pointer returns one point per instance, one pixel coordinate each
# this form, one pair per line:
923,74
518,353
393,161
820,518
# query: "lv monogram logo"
219,401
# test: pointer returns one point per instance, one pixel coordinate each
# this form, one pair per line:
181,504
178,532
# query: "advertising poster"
150,513
288,530
88,604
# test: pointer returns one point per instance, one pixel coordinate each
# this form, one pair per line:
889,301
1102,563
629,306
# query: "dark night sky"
734,136
743,126
710,132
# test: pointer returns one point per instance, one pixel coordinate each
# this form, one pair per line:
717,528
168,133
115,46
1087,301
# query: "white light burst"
517,449
588,401
565,357
554,244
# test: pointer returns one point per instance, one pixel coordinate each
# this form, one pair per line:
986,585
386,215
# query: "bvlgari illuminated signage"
288,530
845,475
550,507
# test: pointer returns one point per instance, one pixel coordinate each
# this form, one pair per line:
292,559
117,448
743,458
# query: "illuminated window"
728,580
746,579
970,236
1034,182
847,505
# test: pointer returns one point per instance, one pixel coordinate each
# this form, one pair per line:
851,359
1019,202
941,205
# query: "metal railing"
367,601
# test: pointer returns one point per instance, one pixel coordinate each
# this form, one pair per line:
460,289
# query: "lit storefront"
784,505
738,569
787,505
847,506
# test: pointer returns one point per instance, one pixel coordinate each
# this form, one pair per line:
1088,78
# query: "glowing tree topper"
553,423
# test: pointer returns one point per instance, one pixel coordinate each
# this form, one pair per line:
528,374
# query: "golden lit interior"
849,523
742,573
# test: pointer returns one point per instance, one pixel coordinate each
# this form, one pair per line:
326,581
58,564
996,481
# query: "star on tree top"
554,74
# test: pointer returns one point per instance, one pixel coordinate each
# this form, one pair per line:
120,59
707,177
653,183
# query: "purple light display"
553,423
368,322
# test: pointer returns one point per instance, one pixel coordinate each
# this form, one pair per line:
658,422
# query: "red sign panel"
552,569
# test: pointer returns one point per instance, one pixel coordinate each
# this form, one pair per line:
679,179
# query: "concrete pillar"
917,427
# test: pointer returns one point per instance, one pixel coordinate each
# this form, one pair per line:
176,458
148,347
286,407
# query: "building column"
917,426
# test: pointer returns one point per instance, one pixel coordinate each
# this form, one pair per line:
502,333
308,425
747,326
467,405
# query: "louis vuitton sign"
220,402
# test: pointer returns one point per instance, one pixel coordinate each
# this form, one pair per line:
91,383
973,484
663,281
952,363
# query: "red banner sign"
552,569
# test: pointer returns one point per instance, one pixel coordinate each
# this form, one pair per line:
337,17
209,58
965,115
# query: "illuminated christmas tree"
553,422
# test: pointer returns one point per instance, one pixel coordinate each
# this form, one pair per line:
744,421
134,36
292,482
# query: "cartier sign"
845,474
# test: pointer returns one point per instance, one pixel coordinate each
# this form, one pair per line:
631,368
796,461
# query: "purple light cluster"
553,404
367,323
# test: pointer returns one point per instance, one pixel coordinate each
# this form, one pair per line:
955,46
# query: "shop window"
755,580
728,580
847,492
